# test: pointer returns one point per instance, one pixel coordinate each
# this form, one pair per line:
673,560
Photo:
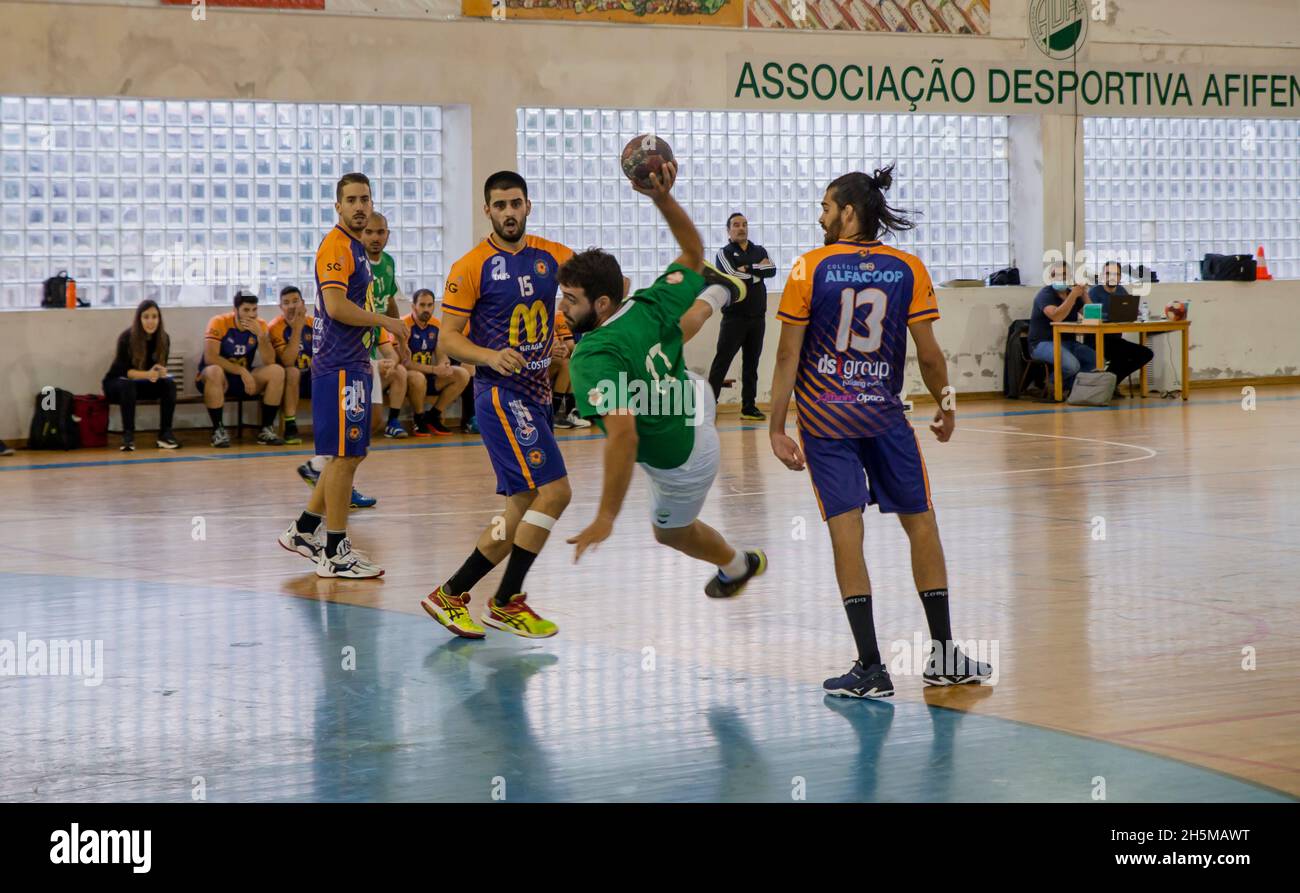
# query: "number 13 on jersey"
850,301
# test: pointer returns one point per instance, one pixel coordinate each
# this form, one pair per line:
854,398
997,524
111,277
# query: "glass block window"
1166,191
774,168
185,201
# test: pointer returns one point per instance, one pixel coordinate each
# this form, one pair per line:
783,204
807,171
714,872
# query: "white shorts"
678,494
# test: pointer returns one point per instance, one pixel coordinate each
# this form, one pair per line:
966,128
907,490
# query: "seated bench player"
430,371
393,380
291,334
226,371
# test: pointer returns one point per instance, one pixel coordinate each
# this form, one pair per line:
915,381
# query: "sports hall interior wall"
483,70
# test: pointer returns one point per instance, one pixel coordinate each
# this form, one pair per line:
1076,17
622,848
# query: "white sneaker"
308,545
347,563
577,421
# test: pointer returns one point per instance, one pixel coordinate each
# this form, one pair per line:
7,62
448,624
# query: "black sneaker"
861,682
755,564
128,444
6,449
291,435
957,669
167,441
735,286
753,414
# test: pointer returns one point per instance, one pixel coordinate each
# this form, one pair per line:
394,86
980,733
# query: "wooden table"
1100,330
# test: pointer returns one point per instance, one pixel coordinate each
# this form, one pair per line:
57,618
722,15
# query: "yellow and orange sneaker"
516,617
452,611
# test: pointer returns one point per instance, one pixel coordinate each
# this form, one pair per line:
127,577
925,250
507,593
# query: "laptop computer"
1123,308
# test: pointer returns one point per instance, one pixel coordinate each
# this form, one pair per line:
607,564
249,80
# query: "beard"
521,226
832,233
583,324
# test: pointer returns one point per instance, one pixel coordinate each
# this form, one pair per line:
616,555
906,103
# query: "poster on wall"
728,13
908,16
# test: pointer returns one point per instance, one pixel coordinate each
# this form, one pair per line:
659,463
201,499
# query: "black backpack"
56,290
1009,276
1228,268
53,425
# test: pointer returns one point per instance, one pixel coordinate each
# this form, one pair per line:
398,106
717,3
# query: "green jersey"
384,273
634,362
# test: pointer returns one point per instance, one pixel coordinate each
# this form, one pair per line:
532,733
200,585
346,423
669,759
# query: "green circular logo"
1058,27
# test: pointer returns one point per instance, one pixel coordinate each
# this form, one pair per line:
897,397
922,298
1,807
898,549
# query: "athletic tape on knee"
537,519
715,296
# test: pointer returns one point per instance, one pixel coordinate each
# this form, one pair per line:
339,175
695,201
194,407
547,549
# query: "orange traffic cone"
1261,268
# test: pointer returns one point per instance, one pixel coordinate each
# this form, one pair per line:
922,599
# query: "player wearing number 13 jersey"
847,310
504,291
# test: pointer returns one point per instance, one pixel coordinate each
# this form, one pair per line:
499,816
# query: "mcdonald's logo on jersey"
531,321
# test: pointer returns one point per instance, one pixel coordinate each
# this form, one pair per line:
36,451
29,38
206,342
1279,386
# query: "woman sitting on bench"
139,372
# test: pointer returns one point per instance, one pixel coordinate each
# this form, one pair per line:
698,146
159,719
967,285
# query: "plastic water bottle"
1144,312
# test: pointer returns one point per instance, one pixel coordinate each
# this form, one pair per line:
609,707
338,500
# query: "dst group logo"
1058,27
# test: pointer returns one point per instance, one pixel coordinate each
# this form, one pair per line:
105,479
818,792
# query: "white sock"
317,463
736,567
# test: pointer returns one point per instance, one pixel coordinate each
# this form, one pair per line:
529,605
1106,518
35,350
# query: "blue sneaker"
395,429
860,682
309,475
362,502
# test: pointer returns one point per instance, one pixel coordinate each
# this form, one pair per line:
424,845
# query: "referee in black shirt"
743,323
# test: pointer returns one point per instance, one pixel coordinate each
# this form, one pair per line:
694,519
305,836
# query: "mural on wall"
909,16
729,13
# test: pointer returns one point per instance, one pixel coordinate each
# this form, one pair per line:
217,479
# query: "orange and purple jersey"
280,339
857,300
341,263
423,341
236,344
509,299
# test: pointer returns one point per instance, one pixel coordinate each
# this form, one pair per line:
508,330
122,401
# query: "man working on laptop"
1123,358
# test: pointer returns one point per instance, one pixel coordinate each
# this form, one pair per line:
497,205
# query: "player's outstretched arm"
934,372
620,460
787,363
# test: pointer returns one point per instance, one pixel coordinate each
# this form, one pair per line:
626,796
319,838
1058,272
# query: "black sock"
290,421
268,415
858,607
557,405
517,567
307,522
215,416
935,602
332,540
476,567
570,403
433,417
393,414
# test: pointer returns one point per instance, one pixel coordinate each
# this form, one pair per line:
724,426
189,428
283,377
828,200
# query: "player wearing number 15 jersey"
846,313
504,291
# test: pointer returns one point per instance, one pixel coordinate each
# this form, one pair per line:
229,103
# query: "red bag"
91,414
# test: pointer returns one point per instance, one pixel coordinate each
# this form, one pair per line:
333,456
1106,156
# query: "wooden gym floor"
1135,568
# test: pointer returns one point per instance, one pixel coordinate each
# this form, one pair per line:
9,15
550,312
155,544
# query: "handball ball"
645,155
1176,310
